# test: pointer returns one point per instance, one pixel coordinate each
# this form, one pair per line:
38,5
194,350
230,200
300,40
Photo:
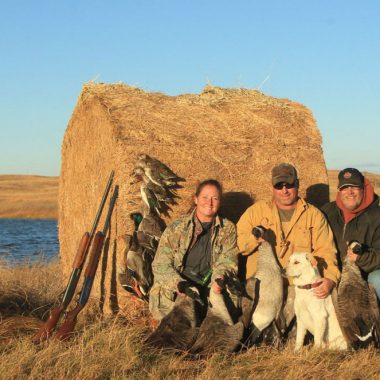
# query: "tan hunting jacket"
308,232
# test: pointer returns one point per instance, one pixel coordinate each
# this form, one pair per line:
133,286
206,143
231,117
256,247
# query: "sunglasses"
281,185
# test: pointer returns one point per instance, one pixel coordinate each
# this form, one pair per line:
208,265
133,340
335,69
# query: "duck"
162,193
157,172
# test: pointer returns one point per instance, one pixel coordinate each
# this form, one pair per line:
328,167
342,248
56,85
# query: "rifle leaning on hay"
68,325
54,315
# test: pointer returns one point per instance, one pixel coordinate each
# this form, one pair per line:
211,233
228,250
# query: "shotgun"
68,325
54,315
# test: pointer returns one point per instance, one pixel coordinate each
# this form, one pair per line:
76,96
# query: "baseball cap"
350,177
284,173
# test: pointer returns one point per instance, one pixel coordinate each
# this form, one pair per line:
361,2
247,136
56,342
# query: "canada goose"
218,332
357,308
265,291
178,330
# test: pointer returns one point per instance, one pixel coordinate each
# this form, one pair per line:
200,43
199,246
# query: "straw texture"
233,135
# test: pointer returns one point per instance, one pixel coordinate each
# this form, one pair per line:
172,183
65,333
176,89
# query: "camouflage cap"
284,173
350,177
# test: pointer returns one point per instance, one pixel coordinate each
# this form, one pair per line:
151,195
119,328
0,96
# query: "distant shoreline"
28,197
36,197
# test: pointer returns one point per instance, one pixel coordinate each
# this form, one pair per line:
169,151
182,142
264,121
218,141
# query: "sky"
324,54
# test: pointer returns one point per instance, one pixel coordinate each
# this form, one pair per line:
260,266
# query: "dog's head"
302,267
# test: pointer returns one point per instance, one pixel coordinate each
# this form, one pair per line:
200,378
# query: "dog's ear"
312,260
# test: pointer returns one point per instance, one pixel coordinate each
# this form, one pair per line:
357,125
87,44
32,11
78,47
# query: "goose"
265,293
357,307
218,331
178,330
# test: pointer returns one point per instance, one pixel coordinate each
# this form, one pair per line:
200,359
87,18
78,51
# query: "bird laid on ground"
218,331
157,172
265,293
357,308
178,330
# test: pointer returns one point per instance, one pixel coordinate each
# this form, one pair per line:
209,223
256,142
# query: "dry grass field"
112,348
27,196
23,196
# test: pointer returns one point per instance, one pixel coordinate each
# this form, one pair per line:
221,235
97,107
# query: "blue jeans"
374,280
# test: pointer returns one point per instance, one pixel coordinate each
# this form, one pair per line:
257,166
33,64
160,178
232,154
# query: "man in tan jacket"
292,225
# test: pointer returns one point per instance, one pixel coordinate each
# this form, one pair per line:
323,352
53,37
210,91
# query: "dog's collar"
309,286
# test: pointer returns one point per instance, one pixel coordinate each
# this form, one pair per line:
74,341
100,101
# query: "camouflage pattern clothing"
169,260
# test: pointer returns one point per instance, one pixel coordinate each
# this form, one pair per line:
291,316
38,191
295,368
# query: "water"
28,240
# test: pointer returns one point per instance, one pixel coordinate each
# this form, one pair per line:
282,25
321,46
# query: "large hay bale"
234,135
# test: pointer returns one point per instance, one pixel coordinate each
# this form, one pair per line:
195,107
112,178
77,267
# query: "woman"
199,248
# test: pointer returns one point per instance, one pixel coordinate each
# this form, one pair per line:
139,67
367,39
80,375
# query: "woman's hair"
209,182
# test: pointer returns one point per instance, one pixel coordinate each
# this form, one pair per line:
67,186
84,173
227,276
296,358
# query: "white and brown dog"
313,314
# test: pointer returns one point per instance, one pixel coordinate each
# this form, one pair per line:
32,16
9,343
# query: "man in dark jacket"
355,216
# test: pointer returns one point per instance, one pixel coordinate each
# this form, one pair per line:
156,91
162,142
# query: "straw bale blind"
234,135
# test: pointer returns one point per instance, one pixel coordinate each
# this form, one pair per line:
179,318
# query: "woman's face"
207,202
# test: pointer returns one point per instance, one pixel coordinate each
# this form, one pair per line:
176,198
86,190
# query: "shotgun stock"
68,325
54,315
46,329
67,328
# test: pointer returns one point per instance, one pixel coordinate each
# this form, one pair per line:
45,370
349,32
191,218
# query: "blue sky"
324,54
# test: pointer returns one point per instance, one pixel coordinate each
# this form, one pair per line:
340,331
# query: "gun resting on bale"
68,325
54,315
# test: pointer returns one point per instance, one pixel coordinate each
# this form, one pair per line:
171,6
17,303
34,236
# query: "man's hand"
325,288
351,255
216,288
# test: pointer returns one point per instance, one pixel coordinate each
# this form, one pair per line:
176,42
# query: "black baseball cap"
350,177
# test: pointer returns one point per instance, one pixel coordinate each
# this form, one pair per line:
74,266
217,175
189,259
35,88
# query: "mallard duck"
139,265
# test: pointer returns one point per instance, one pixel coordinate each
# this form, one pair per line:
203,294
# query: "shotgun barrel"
54,315
68,325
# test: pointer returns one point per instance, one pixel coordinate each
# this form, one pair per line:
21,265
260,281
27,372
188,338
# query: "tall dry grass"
112,348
